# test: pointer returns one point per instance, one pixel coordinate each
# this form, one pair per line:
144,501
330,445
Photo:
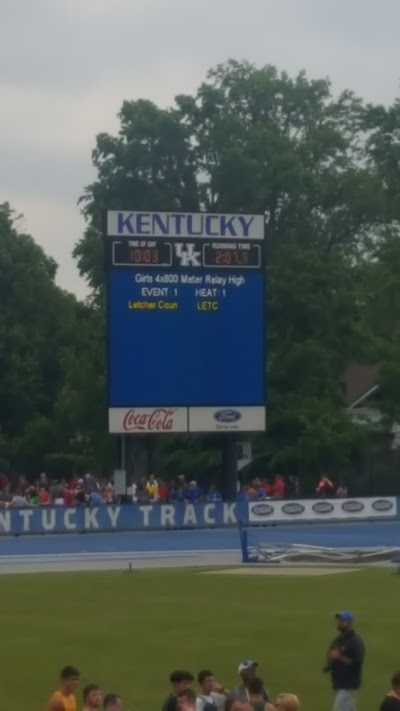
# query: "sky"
67,65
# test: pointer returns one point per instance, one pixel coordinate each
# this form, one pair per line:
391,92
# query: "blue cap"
345,616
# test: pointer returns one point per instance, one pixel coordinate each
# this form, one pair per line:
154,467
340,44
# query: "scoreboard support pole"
229,468
123,452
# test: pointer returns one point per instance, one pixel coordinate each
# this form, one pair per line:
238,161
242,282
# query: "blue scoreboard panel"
186,322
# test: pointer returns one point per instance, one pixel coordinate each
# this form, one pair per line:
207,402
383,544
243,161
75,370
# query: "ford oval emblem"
262,509
353,506
227,416
323,507
382,505
293,509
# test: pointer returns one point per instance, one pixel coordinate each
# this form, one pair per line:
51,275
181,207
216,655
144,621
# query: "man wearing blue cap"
345,662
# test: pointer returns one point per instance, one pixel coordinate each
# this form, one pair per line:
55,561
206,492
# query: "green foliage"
51,357
324,171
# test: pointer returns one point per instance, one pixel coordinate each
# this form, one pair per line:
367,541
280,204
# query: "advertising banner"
322,510
151,420
127,517
227,419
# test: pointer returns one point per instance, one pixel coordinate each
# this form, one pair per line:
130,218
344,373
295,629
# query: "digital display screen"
246,257
150,254
185,322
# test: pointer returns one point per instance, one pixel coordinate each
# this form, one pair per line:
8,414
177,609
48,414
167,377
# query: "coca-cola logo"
159,420
353,506
382,505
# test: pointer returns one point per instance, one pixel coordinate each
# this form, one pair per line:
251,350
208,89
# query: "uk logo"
187,255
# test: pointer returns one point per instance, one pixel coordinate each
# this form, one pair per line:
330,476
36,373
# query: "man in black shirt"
180,680
346,657
391,701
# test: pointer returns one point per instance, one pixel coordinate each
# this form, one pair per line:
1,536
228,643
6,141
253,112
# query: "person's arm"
219,697
332,651
266,695
55,704
354,653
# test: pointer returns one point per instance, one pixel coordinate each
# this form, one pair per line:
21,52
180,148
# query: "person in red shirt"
267,488
74,482
279,487
43,497
325,487
163,491
69,497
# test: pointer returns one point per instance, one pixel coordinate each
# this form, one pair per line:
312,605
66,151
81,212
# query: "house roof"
360,382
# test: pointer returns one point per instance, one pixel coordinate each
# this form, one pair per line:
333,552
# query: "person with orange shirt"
64,699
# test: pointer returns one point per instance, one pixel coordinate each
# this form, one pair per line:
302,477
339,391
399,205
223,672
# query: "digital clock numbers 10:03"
154,256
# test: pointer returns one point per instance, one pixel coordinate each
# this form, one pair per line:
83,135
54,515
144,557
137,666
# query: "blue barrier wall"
134,517
129,517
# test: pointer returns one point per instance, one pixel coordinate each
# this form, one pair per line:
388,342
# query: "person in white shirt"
212,694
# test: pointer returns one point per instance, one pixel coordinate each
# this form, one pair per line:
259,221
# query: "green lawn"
128,631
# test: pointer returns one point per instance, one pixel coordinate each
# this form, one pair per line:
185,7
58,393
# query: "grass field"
128,631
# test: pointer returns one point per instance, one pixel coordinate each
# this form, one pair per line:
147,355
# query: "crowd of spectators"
249,695
77,491
90,490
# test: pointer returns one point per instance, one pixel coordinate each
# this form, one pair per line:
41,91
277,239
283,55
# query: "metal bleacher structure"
265,553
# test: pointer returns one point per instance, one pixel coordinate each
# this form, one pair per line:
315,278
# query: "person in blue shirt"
243,494
193,493
95,498
176,495
213,495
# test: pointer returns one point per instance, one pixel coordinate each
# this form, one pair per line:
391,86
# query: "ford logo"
382,505
293,509
262,510
353,506
323,507
227,416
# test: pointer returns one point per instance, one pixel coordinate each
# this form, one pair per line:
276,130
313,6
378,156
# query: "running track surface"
191,547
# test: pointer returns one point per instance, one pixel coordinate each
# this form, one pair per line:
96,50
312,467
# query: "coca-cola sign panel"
137,420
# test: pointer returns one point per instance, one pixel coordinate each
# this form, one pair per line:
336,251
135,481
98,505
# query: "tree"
51,398
148,166
256,140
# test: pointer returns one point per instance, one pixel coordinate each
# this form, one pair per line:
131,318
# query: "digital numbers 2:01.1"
231,257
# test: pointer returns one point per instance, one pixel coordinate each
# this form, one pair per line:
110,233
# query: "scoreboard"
185,322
